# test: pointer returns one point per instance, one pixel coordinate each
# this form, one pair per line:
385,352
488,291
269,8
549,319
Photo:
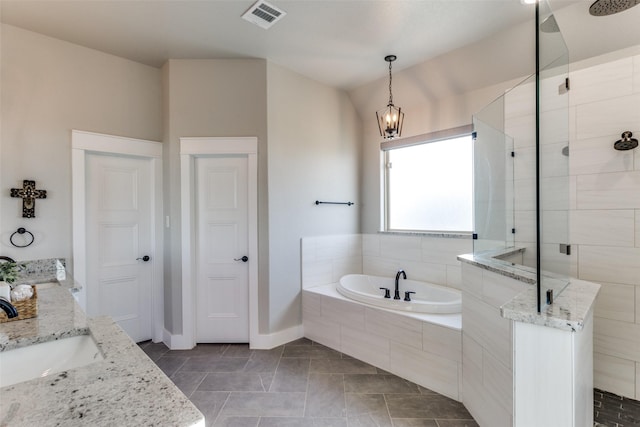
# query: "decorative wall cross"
29,194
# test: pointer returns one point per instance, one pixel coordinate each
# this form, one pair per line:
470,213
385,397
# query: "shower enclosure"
521,169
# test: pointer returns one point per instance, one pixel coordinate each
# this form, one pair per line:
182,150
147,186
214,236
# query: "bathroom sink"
39,360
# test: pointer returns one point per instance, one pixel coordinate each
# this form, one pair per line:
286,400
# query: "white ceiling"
341,43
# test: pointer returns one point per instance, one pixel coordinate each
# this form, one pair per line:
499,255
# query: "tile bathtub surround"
429,258
423,348
301,384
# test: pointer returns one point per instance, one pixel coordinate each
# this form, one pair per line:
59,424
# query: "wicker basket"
26,308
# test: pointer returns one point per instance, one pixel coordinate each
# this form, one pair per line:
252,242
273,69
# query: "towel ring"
21,230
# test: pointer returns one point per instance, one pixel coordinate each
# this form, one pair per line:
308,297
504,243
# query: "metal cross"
29,194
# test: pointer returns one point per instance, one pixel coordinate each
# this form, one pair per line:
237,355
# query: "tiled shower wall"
605,212
600,200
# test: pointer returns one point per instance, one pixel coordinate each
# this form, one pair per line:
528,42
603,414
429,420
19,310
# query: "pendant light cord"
390,93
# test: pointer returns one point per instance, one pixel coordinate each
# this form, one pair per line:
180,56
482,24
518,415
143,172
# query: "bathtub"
428,298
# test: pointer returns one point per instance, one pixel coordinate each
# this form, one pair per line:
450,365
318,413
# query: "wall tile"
609,117
638,304
343,312
406,248
442,341
484,324
444,250
556,262
554,193
341,267
472,280
618,339
637,228
486,411
602,227
555,226
525,224
498,289
525,195
434,372
371,244
425,272
637,381
552,161
616,302
605,81
321,330
316,273
613,373
524,163
454,276
609,264
573,192
522,129
311,304
596,155
364,346
498,381
398,328
636,74
554,124
335,247
617,190
378,266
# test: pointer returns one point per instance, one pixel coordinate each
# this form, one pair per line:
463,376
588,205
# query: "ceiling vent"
263,14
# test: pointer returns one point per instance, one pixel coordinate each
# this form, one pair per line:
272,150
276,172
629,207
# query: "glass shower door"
552,148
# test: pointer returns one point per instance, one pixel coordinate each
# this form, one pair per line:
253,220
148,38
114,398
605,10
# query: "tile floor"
611,410
300,384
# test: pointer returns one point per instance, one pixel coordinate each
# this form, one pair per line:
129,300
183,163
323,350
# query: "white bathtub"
428,298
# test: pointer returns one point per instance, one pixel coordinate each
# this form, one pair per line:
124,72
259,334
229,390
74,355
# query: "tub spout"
396,294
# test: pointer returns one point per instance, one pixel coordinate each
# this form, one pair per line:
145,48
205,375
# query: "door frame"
84,143
190,148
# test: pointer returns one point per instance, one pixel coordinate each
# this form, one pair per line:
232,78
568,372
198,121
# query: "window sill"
441,234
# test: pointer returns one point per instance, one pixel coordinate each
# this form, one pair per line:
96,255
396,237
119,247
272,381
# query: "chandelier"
390,119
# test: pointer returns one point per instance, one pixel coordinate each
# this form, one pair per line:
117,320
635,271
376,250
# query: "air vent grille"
263,14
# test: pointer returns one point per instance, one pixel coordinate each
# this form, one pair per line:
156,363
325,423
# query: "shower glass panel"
554,267
493,180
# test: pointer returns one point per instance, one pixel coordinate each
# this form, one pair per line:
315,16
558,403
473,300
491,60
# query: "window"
429,182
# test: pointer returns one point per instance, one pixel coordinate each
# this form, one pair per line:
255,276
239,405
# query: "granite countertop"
126,388
570,308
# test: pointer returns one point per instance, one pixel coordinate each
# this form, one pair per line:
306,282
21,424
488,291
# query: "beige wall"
50,87
212,98
314,154
420,118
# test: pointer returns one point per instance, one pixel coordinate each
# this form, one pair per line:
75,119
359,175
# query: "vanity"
116,385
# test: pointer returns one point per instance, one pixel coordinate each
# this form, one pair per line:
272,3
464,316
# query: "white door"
119,230
222,285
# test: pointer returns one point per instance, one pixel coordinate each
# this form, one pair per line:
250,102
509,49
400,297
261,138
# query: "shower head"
626,143
609,7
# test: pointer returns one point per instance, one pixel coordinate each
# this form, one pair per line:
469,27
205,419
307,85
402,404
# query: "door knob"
243,259
144,258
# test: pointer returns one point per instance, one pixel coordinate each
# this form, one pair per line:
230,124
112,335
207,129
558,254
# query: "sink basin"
39,360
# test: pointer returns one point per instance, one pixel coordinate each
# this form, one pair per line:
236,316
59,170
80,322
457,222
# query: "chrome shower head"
609,7
626,143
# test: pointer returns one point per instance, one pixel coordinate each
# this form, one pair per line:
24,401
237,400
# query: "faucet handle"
407,295
387,293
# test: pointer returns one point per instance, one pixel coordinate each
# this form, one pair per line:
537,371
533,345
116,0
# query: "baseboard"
175,341
269,341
